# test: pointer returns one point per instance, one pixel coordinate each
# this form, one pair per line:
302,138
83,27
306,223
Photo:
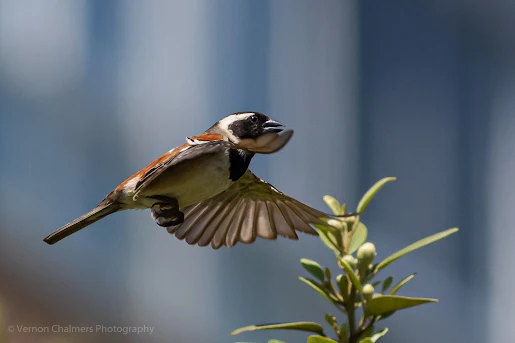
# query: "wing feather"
265,226
250,208
219,237
304,216
210,231
207,219
192,222
282,223
235,227
248,227
297,222
202,222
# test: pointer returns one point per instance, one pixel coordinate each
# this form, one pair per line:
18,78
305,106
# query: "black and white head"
241,125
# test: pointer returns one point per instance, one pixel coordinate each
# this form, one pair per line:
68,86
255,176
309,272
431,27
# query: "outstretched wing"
248,209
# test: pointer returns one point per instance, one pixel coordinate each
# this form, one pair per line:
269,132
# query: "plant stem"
351,313
363,329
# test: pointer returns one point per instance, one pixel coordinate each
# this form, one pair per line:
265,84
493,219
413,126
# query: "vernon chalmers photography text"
100,328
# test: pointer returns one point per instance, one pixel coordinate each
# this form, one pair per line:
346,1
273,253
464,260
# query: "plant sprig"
353,291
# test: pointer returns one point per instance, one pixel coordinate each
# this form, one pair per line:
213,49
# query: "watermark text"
100,328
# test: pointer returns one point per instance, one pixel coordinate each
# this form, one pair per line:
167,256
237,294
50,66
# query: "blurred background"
92,90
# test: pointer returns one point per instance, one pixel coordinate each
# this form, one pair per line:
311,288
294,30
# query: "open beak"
272,126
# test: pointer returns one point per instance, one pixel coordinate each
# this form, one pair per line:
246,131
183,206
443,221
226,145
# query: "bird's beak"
272,126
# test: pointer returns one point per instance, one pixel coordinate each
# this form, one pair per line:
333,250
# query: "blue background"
91,91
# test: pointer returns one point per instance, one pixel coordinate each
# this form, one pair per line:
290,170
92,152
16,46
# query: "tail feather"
99,212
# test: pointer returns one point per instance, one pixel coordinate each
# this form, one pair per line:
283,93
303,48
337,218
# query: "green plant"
355,291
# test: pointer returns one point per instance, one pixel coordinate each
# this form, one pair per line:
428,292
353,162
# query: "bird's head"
243,125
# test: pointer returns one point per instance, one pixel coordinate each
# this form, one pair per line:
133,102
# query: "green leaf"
313,268
387,303
366,340
417,245
372,192
378,335
353,278
327,237
320,339
401,283
317,287
358,237
386,283
333,204
299,326
275,341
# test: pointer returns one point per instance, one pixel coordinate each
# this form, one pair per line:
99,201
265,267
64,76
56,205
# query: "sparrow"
204,193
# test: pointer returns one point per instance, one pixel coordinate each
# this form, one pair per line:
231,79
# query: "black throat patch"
239,161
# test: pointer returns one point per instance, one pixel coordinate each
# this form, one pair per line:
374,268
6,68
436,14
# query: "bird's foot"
166,212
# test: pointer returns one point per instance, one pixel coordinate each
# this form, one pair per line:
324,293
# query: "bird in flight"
204,193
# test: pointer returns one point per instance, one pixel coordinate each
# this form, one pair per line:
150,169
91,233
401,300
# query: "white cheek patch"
229,134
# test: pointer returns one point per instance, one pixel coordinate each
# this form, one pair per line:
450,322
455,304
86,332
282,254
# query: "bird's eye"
253,118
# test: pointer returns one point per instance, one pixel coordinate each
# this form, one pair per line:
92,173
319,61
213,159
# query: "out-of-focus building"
90,91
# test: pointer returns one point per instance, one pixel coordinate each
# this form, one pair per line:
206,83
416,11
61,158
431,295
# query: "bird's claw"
167,213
